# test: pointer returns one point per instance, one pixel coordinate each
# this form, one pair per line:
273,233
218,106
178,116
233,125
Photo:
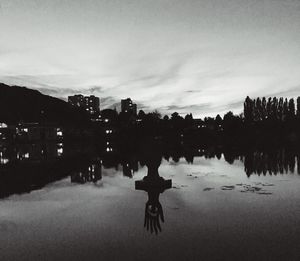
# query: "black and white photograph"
149,130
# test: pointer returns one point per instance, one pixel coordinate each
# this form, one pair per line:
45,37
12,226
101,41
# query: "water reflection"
25,167
154,185
88,173
279,161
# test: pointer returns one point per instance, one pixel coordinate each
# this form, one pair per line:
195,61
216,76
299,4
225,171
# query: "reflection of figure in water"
153,211
153,184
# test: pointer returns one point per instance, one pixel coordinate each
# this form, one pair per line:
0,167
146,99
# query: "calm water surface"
212,212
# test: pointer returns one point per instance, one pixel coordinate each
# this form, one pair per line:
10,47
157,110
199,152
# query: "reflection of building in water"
29,133
30,152
90,173
7,133
4,156
35,132
129,167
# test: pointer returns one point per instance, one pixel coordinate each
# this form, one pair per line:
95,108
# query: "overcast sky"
199,56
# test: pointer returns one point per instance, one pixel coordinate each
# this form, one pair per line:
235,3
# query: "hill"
23,104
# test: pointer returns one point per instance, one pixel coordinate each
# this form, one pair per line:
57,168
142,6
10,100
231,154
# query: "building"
89,103
76,100
128,106
7,133
34,132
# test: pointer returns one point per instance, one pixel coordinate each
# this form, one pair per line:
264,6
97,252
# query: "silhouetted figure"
153,184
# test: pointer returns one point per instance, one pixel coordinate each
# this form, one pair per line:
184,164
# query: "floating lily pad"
264,193
208,189
227,187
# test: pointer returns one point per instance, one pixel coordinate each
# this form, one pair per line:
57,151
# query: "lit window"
60,151
59,132
4,161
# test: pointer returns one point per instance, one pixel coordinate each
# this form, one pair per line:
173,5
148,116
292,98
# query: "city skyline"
202,57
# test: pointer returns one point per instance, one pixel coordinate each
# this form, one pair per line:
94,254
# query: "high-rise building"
76,100
128,106
89,103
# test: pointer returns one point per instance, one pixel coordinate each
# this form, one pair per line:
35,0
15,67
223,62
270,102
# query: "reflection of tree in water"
268,161
272,162
42,164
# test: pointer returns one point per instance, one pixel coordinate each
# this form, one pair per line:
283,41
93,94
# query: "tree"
248,109
175,116
156,114
264,108
189,117
141,114
298,107
218,120
280,109
274,107
166,118
285,109
257,110
291,109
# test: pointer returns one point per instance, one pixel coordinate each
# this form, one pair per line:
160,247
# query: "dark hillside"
23,104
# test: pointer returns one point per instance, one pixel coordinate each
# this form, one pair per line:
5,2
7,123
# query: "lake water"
213,211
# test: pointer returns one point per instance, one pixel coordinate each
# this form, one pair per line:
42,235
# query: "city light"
3,125
59,132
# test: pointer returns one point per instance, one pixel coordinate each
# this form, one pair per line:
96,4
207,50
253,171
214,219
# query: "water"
213,211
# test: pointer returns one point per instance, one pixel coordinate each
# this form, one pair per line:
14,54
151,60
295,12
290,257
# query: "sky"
198,56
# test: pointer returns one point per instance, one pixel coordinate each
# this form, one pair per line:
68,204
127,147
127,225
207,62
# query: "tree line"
272,108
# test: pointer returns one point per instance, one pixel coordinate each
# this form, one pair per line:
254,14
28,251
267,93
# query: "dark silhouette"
20,104
37,130
154,185
88,173
26,167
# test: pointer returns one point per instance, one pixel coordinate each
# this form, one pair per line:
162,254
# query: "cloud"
202,57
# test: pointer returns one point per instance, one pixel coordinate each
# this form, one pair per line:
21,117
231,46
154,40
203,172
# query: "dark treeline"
271,109
264,122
